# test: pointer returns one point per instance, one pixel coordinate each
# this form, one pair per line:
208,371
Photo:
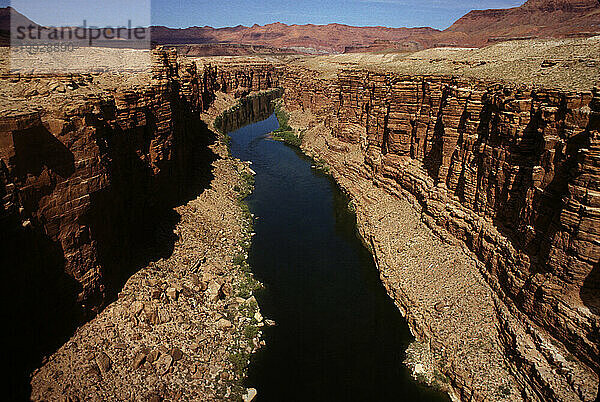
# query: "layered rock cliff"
182,326
511,172
255,107
89,188
508,171
81,184
59,169
243,78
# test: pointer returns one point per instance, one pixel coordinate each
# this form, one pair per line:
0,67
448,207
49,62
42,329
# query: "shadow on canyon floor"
39,299
40,303
139,229
133,225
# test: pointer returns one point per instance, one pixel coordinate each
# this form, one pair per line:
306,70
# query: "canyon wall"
71,175
84,176
247,77
82,187
256,84
89,189
510,172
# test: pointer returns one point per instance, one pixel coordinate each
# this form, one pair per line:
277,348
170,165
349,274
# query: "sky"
184,13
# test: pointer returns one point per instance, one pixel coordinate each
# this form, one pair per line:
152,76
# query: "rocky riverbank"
184,326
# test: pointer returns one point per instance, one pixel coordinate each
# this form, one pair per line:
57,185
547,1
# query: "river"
338,334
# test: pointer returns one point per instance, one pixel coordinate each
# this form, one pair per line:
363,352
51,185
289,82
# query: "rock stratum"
479,199
103,177
79,179
511,172
515,184
62,162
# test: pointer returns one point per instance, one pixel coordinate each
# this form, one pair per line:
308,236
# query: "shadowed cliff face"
88,195
39,302
511,172
133,219
37,149
107,162
590,292
87,201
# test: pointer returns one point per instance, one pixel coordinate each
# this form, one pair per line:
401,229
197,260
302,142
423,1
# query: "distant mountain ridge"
534,19
329,38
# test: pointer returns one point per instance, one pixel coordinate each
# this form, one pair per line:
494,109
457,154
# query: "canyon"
121,209
475,183
512,189
505,172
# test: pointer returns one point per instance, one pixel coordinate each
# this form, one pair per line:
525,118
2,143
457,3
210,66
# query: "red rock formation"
57,168
245,78
81,191
84,186
320,38
252,108
510,171
534,19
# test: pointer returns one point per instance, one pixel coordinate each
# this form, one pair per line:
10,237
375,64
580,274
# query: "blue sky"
183,13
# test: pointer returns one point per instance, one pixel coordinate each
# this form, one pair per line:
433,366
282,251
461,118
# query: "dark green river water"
339,336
